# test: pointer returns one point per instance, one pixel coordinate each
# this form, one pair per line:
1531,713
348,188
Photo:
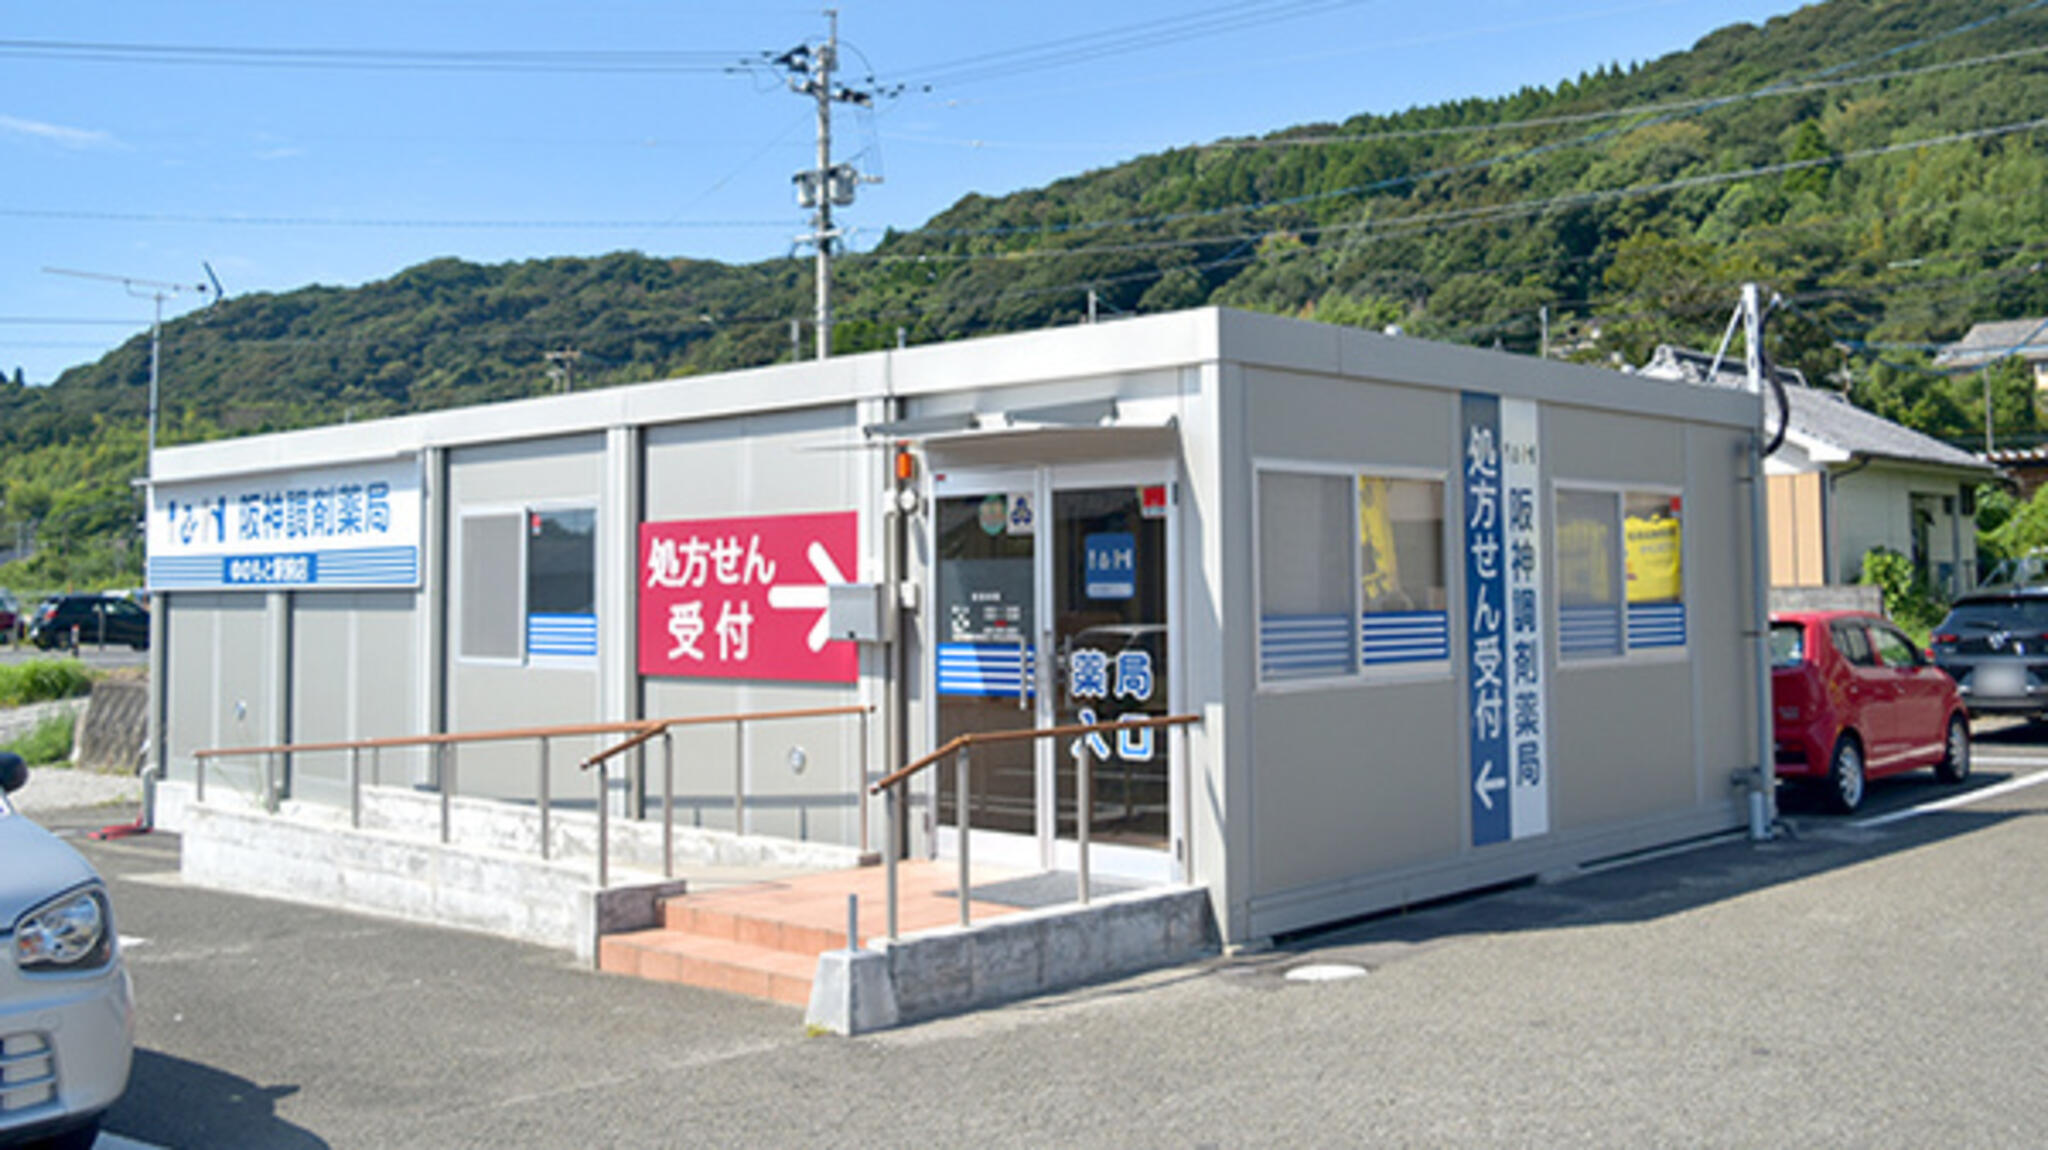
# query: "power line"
372,222
1144,35
1484,213
1283,141
381,59
1410,178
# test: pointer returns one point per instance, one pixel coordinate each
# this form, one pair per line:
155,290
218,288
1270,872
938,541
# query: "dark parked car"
71,620
1994,644
1853,699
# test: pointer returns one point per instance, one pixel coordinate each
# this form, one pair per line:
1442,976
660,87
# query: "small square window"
1306,582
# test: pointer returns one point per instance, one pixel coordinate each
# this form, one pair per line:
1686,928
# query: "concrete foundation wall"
969,968
252,853
489,876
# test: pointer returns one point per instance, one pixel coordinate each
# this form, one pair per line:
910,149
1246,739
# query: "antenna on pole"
562,367
158,291
827,185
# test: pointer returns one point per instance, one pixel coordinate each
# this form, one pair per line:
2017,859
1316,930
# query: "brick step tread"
712,963
766,929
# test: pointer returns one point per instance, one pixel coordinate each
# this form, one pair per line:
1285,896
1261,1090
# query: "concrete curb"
970,968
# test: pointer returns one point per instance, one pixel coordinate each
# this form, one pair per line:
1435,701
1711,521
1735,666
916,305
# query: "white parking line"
1963,800
116,1142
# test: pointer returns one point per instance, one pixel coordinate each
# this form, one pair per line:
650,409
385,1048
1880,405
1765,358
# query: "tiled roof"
1992,341
1830,418
1820,415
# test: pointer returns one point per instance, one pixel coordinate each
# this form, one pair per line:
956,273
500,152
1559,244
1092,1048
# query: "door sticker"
1112,565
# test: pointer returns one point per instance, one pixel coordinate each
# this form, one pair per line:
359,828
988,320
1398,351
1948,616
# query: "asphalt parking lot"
1866,981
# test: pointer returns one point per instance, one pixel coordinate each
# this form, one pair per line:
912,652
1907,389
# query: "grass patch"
49,742
41,680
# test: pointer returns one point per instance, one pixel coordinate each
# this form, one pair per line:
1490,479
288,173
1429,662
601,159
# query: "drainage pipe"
1763,800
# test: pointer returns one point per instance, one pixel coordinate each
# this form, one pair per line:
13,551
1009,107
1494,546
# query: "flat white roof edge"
1123,347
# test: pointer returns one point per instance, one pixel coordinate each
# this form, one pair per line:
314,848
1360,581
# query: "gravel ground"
16,722
62,788
59,787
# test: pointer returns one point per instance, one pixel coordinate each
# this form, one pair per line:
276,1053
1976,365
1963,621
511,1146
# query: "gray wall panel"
221,672
1717,566
1318,418
816,802
1355,780
784,463
527,471
1621,743
352,678
1607,447
486,695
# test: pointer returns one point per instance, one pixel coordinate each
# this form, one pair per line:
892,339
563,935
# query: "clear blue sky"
285,170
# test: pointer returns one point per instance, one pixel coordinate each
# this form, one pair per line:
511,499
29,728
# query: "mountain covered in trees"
1880,164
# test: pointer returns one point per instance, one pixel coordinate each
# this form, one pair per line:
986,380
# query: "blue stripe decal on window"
987,670
1588,630
1656,625
1304,646
1405,637
571,635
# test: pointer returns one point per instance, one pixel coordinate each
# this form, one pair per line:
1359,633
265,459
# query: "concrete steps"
764,939
712,963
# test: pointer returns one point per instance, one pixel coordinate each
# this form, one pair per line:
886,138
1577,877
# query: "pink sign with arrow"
746,598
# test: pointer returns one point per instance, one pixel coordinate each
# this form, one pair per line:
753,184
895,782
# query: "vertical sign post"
1486,619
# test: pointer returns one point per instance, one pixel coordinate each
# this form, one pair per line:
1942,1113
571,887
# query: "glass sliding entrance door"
1111,638
1050,607
986,616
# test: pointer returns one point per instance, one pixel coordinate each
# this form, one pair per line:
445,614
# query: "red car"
1853,699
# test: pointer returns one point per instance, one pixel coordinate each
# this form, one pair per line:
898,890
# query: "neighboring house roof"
1989,342
2019,456
1820,419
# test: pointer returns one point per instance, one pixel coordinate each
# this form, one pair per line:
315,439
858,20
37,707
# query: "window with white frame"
492,559
528,584
1351,574
1306,586
1620,572
561,582
1653,541
1403,616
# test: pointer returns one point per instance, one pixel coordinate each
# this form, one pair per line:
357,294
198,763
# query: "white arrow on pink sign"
745,598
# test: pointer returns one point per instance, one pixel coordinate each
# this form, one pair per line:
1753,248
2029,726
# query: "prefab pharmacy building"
1441,617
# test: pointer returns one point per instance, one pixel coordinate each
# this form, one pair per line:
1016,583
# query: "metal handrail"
890,788
662,727
641,730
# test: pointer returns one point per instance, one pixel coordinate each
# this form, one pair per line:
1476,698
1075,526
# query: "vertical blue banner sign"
1486,618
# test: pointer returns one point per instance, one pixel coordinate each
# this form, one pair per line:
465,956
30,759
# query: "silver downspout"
1763,798
896,628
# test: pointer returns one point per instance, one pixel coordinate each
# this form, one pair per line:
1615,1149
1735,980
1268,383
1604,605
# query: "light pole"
158,291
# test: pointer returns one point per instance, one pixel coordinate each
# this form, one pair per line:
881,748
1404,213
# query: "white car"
67,1013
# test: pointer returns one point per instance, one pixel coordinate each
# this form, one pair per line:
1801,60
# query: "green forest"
1878,164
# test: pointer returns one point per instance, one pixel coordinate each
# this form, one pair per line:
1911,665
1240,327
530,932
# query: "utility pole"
158,291
562,367
1753,337
828,184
